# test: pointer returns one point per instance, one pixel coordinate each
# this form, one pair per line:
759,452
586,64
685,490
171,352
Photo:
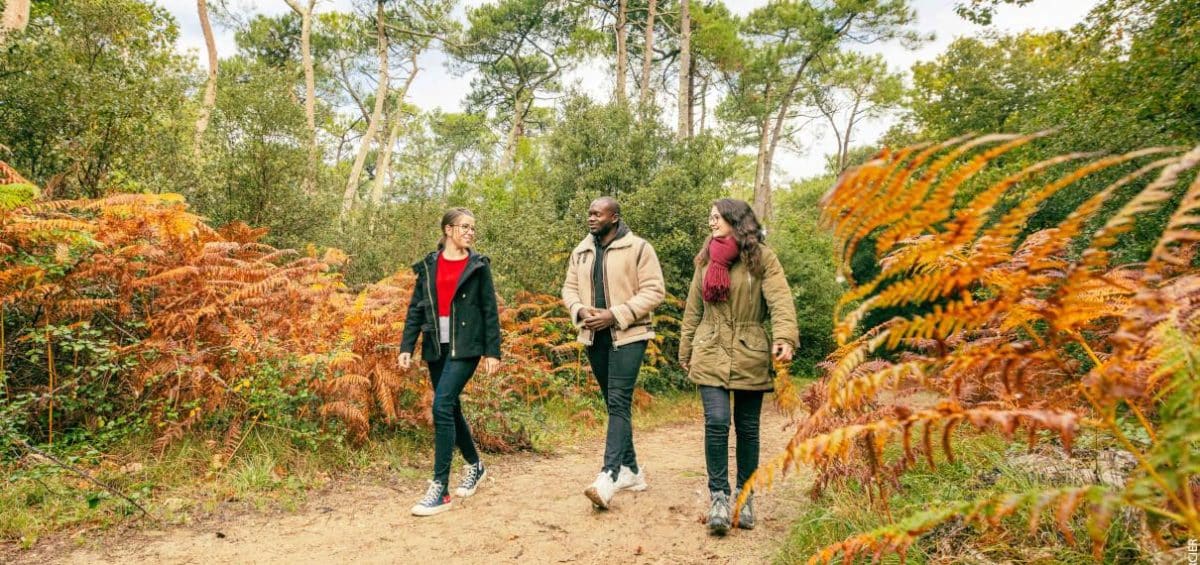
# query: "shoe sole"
593,494
718,530
463,493
424,511
634,488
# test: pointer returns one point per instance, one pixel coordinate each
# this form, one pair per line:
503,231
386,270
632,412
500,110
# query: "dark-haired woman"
726,348
454,309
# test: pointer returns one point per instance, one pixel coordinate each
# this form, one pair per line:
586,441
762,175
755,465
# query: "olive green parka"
726,344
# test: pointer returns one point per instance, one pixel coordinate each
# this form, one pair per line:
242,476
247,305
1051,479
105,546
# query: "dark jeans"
617,370
449,427
747,410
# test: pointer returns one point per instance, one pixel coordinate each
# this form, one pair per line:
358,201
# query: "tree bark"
647,52
210,88
310,87
770,140
762,178
514,133
381,91
767,150
685,66
622,52
383,170
691,106
844,150
15,17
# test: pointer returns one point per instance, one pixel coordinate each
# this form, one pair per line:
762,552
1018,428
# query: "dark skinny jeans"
747,411
449,376
616,370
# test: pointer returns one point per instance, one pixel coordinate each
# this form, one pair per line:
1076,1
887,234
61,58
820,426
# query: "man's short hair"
609,202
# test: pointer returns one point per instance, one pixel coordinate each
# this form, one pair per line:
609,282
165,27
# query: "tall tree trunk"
685,67
15,17
762,177
381,91
647,52
514,134
770,141
844,150
622,52
210,88
703,102
766,151
837,133
691,107
383,170
310,88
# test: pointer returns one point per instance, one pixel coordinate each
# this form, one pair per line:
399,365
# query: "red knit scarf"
722,252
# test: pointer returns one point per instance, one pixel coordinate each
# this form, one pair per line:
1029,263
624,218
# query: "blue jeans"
747,410
616,370
449,376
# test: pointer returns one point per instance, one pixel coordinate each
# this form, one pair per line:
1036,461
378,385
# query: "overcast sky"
437,87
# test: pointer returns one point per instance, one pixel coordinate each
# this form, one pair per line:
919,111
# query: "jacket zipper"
607,299
437,338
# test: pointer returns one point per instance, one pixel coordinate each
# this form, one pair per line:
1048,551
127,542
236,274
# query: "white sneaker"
475,475
627,480
601,491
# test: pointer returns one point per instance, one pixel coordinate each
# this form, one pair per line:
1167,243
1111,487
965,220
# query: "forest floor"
531,508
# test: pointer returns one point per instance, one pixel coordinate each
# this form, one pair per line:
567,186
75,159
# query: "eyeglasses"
466,228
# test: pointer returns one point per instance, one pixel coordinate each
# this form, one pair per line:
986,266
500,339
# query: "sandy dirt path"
530,510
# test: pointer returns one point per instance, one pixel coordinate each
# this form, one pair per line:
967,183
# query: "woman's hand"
405,360
491,365
783,351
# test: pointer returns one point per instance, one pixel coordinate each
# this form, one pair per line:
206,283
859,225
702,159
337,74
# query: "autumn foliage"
1039,335
195,312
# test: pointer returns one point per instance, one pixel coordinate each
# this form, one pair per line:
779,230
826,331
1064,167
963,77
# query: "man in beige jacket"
613,284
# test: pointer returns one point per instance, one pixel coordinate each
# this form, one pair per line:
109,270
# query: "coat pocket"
430,317
752,360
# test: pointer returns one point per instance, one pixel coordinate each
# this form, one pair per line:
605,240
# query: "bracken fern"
1011,331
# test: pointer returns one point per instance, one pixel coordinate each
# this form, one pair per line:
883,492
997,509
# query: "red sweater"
448,273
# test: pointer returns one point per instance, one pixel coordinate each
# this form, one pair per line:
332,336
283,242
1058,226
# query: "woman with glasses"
738,293
453,308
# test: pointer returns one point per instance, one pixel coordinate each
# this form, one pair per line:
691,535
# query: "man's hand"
586,312
599,320
405,360
491,365
684,364
783,351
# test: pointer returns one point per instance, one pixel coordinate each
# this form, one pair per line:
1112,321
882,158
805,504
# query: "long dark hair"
746,231
450,218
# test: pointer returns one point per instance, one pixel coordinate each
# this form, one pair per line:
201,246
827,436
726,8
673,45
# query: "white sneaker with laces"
628,480
474,475
602,490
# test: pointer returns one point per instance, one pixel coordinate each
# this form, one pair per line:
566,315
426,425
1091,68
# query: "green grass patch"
980,470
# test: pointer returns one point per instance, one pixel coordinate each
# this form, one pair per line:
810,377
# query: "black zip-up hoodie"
474,314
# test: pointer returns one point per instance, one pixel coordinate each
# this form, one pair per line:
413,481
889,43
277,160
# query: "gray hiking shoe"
745,519
718,514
